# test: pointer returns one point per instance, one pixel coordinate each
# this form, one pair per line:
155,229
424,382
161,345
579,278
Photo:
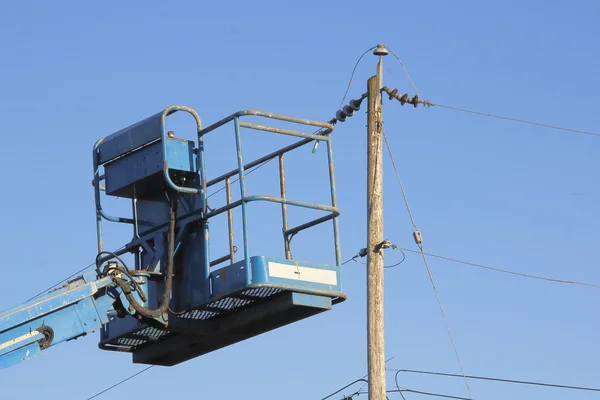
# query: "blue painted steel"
141,172
297,203
22,354
242,180
328,128
282,131
130,138
100,213
336,236
232,278
74,310
21,341
167,111
204,311
204,298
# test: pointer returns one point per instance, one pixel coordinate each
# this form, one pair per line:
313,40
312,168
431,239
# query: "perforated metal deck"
221,323
145,335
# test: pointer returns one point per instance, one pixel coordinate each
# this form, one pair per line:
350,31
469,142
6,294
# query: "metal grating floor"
236,302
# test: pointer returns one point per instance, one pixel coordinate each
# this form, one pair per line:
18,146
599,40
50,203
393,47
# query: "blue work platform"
212,302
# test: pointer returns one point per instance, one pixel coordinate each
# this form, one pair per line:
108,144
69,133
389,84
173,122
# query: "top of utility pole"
381,50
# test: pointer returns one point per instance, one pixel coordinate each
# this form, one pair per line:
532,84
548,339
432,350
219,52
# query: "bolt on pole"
375,327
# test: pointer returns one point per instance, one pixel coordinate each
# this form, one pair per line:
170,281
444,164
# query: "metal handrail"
241,173
258,113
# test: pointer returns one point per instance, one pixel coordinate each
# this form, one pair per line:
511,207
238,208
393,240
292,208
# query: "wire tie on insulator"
383,245
418,237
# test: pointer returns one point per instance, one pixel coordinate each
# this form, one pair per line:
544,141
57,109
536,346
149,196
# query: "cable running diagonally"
486,378
406,72
120,382
427,267
352,75
524,121
505,271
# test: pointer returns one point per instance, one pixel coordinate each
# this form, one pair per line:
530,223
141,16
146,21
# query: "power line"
445,320
245,174
507,271
352,75
418,241
415,101
347,386
59,282
356,381
412,220
516,120
406,72
385,244
423,393
64,280
553,385
120,382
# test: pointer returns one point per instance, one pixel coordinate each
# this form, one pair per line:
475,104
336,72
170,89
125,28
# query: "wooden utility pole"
375,336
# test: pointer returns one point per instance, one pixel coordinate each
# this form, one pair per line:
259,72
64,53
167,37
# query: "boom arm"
80,307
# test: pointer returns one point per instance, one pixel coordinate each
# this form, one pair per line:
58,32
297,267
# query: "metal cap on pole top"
381,50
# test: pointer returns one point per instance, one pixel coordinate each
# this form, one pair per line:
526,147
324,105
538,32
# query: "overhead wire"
356,381
446,396
120,382
524,121
464,110
505,271
237,179
61,281
352,74
521,382
415,231
65,279
363,253
405,72
367,375
345,387
420,392
446,322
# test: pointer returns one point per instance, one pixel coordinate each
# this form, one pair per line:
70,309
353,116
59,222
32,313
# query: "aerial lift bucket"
212,303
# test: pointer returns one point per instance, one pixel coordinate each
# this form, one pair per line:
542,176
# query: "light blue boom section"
74,310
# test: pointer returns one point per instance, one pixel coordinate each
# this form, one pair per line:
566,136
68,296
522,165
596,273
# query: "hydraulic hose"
143,311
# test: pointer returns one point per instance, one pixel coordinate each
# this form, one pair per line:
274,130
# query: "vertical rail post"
284,215
375,309
230,221
201,167
336,237
242,180
97,199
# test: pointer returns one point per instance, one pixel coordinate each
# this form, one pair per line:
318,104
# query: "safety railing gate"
332,212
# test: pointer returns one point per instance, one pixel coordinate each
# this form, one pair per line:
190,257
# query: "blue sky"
483,190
